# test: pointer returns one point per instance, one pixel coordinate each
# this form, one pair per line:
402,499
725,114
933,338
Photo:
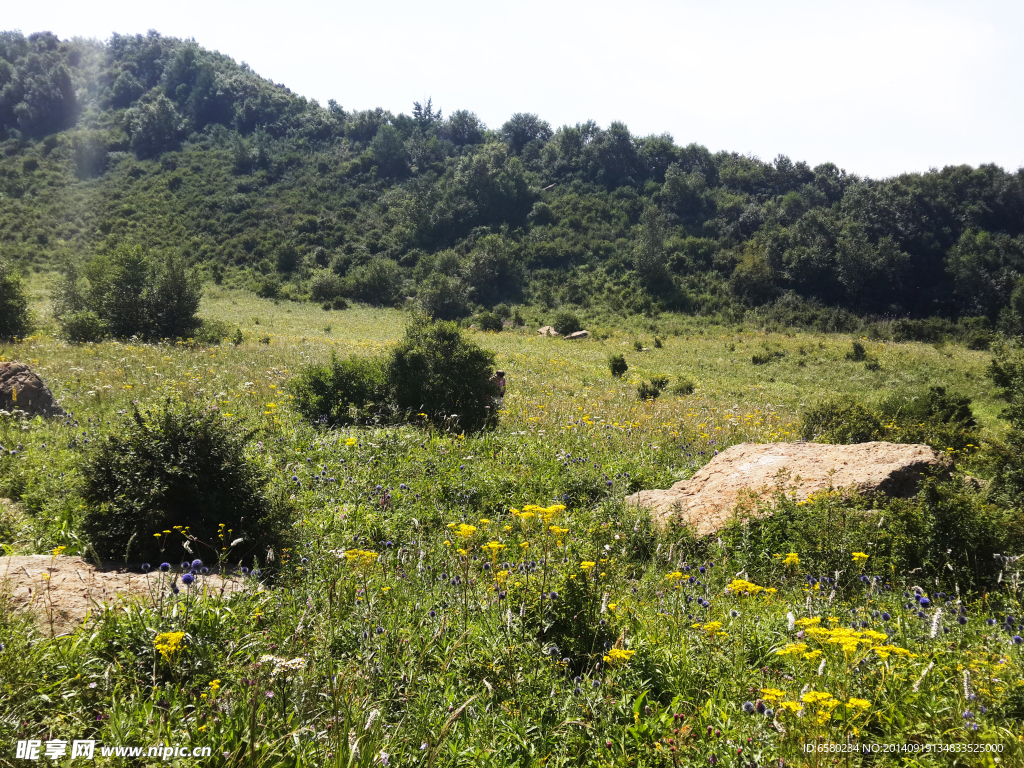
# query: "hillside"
156,141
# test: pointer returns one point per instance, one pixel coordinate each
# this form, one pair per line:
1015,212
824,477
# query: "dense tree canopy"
156,141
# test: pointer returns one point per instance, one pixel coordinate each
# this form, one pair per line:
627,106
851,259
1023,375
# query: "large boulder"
21,389
547,330
752,471
578,336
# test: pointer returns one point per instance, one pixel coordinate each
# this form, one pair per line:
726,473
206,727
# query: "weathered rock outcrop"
547,330
579,335
706,500
21,389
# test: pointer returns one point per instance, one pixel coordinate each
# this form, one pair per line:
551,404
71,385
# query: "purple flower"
197,563
165,567
146,567
187,579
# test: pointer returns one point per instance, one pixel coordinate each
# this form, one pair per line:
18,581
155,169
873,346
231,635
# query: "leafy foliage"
178,464
343,391
14,313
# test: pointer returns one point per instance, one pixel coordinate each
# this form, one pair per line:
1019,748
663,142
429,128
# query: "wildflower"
165,567
187,579
749,708
586,565
465,530
791,559
197,563
168,643
859,557
146,567
861,704
618,656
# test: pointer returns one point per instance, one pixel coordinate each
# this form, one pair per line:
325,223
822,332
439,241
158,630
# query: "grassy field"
430,614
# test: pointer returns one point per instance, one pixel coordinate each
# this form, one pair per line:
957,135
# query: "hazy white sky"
878,88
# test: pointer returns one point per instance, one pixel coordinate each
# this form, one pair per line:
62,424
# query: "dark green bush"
840,420
15,321
651,390
567,322
179,464
444,297
946,523
857,354
683,387
1007,456
617,365
487,321
342,391
84,326
378,282
437,371
326,286
767,356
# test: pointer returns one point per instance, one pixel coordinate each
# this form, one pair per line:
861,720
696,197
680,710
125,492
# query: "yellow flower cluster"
849,640
547,514
713,628
742,587
617,656
586,565
168,643
360,558
859,557
791,559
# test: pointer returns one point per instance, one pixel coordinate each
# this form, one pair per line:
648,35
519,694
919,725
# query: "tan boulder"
753,471
577,336
21,389
547,330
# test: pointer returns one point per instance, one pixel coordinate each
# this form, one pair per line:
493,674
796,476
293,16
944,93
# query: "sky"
878,88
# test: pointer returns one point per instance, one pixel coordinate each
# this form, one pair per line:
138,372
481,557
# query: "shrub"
857,353
1007,456
326,286
268,287
378,282
178,465
935,417
82,327
567,322
341,391
14,315
767,356
683,387
437,371
840,420
617,365
444,297
212,332
651,390
487,321
237,337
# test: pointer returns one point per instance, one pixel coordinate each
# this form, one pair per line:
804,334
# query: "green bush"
342,391
567,322
487,321
437,371
212,332
82,327
683,387
617,365
179,464
378,282
840,420
444,297
326,286
1007,456
651,390
15,321
857,353
945,524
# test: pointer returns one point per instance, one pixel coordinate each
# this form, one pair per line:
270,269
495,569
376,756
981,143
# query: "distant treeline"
156,142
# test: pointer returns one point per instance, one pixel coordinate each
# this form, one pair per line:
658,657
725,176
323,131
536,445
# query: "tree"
521,129
649,254
389,151
495,271
15,321
174,300
155,127
444,297
463,128
424,115
378,282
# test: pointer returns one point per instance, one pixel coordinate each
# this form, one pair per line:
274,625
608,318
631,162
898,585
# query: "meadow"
489,599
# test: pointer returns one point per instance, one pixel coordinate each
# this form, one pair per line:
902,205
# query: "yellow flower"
771,694
859,557
586,565
465,531
861,704
791,559
618,656
168,643
742,587
58,551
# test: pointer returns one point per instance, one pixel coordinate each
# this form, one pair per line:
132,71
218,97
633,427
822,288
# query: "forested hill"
156,141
